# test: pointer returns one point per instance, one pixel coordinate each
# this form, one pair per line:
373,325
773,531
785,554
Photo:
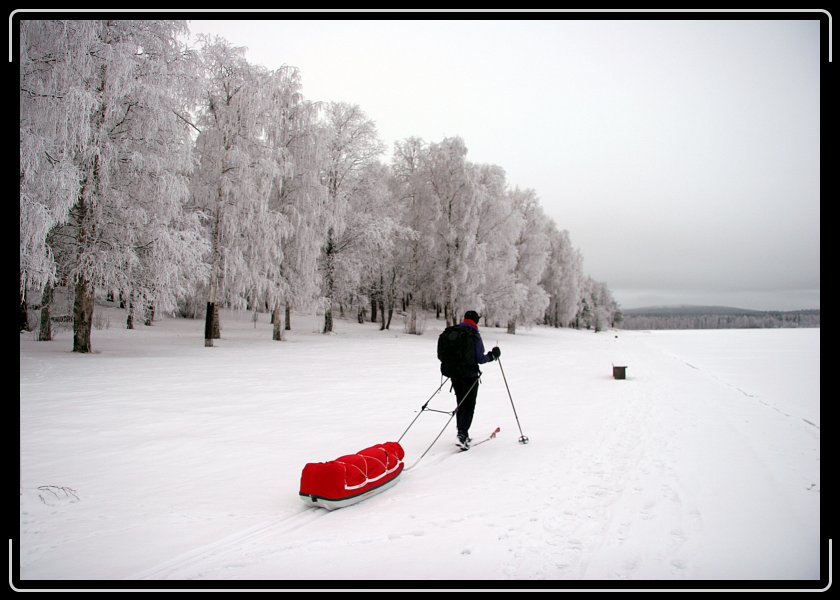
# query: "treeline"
183,179
740,320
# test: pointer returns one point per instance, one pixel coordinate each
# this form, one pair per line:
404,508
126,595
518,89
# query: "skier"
466,381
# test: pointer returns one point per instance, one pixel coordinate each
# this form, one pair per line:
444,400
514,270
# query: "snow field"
703,464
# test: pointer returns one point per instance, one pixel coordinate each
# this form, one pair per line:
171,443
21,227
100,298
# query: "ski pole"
523,438
422,408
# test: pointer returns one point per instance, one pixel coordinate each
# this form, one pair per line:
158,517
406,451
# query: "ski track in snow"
191,564
584,522
747,394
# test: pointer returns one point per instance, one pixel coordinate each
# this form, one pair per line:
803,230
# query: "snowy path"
703,464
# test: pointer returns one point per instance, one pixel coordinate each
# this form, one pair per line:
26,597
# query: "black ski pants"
466,392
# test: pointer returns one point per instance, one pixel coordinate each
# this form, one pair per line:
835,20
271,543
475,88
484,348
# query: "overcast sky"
682,156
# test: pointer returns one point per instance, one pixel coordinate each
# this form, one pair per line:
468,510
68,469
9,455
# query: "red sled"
352,478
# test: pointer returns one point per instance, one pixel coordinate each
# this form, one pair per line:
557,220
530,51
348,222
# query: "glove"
496,352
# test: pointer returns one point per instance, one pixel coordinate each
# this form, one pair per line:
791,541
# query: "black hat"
472,316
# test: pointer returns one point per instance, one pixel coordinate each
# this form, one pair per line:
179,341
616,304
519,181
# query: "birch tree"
499,226
452,188
532,249
379,235
239,163
562,278
597,309
418,213
151,183
300,198
364,267
54,128
116,85
351,145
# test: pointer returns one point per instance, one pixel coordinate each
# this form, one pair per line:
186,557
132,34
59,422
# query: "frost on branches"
162,174
104,162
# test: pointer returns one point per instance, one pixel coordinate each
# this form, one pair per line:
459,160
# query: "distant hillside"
714,317
690,310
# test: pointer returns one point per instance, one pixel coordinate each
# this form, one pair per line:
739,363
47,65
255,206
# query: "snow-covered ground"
167,460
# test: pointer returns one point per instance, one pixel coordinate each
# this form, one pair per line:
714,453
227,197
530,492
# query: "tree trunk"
390,298
45,331
447,295
84,291
277,334
412,320
511,328
212,331
23,315
449,314
381,313
329,280
82,316
372,306
328,319
288,326
217,323
150,314
129,321
211,322
449,300
375,300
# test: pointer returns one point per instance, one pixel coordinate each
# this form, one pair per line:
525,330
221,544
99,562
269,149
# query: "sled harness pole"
422,408
451,415
524,438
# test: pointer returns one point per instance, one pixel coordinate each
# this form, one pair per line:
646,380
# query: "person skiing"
465,380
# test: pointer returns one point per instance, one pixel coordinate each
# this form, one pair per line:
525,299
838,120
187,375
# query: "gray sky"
683,157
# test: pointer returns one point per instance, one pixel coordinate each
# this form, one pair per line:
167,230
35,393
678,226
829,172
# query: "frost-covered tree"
351,146
240,158
53,131
300,197
532,253
296,195
499,226
562,278
151,180
379,239
116,87
597,308
452,188
364,269
418,214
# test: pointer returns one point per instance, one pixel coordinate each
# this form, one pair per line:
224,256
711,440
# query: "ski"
487,439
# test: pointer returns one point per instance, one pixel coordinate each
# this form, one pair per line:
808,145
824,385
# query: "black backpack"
456,352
